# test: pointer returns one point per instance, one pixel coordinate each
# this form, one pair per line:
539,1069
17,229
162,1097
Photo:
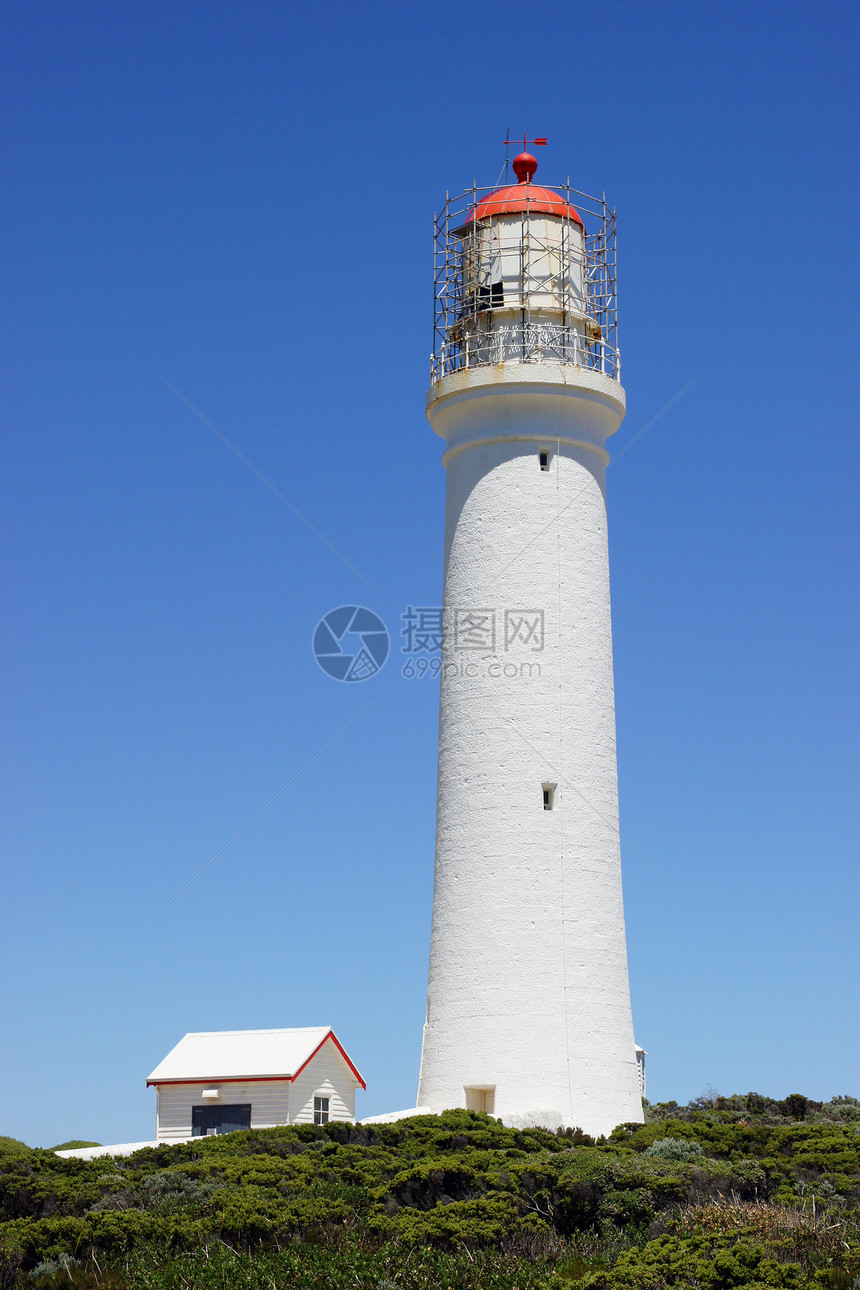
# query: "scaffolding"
548,295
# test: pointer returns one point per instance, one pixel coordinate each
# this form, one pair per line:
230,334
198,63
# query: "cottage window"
208,1120
543,458
321,1114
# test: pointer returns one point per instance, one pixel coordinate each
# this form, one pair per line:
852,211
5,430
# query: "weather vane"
527,143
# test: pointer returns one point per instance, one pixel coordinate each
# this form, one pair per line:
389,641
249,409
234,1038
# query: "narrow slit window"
543,458
548,796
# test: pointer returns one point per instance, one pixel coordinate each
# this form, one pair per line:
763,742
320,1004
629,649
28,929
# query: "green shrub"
13,1147
700,1263
795,1106
172,1189
471,1224
63,1263
454,1200
674,1149
846,1109
432,1183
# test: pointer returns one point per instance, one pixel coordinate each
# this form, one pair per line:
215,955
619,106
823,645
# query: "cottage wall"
328,1076
270,1104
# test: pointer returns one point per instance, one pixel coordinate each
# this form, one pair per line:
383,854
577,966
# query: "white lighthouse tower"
528,1001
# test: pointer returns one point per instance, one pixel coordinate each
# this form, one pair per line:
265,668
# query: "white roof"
249,1054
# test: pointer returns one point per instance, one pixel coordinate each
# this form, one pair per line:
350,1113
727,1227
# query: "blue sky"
237,200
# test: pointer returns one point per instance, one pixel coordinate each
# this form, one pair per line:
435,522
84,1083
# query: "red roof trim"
256,1079
343,1054
341,1050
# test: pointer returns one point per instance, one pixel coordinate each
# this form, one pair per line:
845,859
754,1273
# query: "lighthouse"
528,1001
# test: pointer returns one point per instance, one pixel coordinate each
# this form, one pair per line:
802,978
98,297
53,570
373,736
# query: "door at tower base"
516,1113
539,1117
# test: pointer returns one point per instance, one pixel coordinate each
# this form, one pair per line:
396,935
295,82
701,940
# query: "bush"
50,1267
698,1262
795,1106
13,1147
846,1109
171,1189
703,1197
576,1137
674,1149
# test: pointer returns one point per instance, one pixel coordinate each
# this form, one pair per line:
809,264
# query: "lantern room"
519,279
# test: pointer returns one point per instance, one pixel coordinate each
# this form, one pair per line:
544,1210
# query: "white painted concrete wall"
528,989
391,1117
640,1064
92,1153
542,256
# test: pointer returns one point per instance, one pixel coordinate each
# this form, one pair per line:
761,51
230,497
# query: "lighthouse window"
490,297
543,458
490,293
548,796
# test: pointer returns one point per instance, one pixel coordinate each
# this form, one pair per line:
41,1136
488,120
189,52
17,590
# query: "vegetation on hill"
727,1192
12,1144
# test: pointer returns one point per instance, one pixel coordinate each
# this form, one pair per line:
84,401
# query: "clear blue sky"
238,200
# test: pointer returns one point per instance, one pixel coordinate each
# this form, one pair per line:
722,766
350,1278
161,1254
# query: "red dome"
524,196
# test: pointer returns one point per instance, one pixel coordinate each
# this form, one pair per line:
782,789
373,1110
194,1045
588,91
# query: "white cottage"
219,1081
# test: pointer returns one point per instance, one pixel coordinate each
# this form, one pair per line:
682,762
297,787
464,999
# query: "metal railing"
479,322
525,342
